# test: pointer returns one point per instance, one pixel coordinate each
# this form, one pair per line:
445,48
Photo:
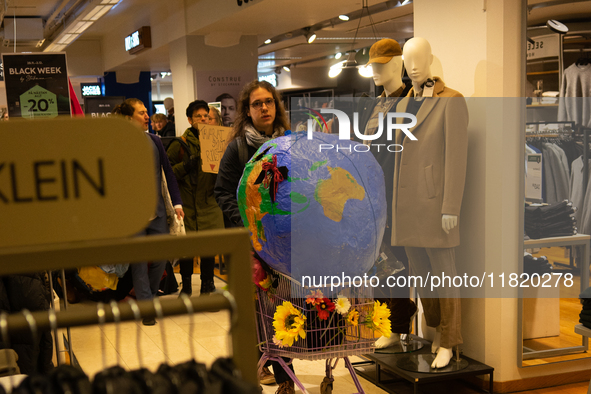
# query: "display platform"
383,371
410,344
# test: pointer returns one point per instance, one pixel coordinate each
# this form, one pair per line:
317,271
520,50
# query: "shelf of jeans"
580,241
586,333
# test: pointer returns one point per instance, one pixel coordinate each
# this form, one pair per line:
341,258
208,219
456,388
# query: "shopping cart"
331,339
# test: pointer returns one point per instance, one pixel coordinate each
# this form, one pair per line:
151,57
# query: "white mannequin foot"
384,342
436,341
443,357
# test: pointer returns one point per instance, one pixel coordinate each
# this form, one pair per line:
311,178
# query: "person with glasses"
260,117
201,209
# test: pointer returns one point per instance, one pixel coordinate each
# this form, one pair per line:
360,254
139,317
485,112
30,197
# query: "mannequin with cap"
428,188
385,58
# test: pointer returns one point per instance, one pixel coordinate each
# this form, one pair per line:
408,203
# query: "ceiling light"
287,68
80,27
343,17
338,55
310,35
333,72
268,41
277,70
109,1
97,12
67,38
365,71
556,27
405,2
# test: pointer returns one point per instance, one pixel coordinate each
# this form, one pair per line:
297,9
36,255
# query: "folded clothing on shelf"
585,315
554,220
536,265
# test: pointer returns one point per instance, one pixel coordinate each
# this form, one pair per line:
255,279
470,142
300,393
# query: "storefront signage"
543,46
91,89
36,85
65,180
213,141
138,40
533,177
100,107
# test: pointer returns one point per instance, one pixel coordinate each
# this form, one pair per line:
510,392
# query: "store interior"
508,58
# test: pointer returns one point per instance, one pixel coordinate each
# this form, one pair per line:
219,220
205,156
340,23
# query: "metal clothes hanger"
100,311
117,319
138,319
187,300
160,316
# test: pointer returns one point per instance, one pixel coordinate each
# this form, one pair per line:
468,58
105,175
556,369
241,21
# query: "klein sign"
65,180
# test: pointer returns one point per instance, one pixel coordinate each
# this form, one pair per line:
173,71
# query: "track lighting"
310,36
287,68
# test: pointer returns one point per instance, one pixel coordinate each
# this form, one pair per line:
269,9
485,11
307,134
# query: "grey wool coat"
430,173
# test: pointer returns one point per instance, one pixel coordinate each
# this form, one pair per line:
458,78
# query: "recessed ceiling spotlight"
343,17
268,41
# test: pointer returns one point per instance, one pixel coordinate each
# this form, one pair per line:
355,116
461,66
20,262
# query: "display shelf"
586,333
580,241
383,371
543,72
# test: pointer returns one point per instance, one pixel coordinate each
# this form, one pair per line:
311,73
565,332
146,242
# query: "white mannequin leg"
443,357
384,342
436,340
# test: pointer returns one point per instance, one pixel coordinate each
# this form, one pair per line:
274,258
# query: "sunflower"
288,323
266,283
342,305
378,320
353,317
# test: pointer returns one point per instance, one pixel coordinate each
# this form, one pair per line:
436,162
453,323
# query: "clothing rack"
232,243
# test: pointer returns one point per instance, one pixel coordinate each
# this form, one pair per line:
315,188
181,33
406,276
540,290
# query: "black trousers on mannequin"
207,264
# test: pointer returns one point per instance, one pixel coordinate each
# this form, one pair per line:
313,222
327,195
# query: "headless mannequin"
388,75
417,61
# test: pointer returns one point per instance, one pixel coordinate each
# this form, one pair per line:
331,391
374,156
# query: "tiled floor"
95,348
93,344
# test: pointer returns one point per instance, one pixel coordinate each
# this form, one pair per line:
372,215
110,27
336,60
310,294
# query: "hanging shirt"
575,95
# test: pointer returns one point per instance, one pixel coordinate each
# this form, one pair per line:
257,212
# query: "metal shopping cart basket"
331,339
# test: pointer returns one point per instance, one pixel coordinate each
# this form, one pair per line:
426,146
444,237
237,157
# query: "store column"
479,52
204,72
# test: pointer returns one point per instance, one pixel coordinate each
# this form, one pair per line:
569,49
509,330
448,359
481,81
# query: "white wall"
479,52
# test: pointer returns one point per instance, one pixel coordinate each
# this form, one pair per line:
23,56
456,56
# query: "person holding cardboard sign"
201,209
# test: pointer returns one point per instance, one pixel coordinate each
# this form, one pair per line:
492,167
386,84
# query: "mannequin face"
383,73
418,59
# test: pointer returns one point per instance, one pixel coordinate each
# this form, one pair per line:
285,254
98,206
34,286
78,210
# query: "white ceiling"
264,18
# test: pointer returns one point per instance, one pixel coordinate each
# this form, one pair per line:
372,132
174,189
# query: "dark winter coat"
229,175
28,291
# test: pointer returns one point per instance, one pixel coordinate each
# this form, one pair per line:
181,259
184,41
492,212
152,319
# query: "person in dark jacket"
260,117
147,281
28,291
162,126
200,206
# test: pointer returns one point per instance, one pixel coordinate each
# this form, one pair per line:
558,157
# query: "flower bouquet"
325,324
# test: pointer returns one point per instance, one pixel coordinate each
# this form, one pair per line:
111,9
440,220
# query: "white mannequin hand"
448,222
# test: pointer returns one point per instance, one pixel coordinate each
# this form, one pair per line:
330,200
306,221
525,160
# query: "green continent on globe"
333,193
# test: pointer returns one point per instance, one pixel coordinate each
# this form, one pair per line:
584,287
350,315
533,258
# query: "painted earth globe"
314,207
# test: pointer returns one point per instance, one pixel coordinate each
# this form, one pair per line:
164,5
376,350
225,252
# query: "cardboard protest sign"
213,140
